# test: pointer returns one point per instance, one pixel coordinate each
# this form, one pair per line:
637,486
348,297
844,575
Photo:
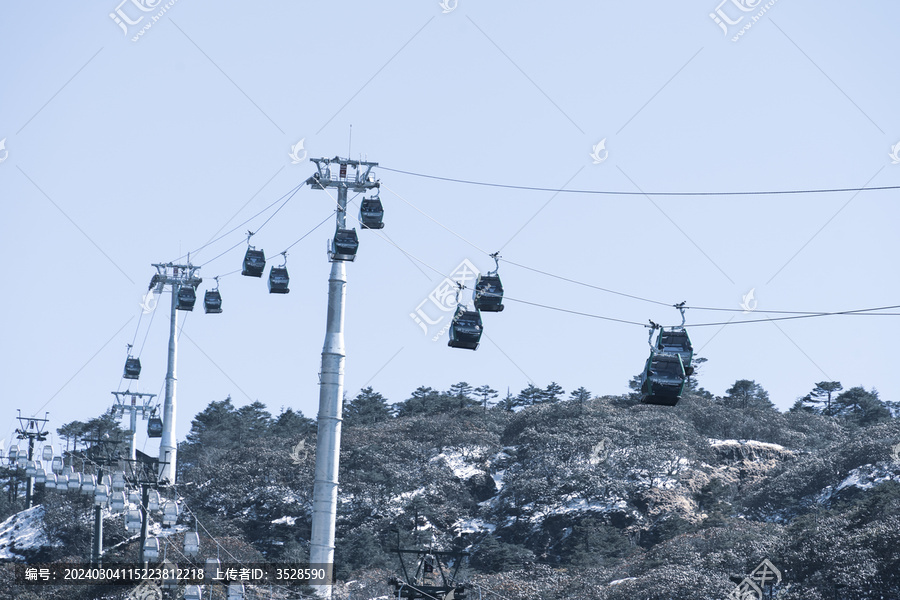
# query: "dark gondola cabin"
677,341
254,262
278,280
663,380
371,213
488,293
154,427
185,298
132,368
344,245
212,302
465,329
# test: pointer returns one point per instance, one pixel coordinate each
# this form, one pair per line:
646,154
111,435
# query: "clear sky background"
121,153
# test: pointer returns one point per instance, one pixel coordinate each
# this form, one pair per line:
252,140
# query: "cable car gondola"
663,380
344,245
465,329
677,341
154,427
254,262
212,300
371,213
185,298
151,548
278,278
47,453
192,543
132,366
488,292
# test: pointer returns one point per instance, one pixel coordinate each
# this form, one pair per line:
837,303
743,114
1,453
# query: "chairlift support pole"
31,429
331,376
174,276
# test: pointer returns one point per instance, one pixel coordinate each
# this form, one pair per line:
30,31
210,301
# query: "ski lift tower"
183,281
133,408
31,429
343,174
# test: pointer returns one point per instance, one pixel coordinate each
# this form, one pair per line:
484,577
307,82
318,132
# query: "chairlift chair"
151,548
170,513
278,280
344,245
192,592
74,482
101,494
465,329
185,298
254,262
192,543
662,382
154,427
133,520
371,213
117,502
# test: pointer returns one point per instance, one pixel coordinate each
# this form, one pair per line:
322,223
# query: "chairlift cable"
639,193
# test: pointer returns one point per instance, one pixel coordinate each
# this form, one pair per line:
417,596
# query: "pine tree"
822,394
552,392
486,394
530,395
581,395
367,408
861,407
747,394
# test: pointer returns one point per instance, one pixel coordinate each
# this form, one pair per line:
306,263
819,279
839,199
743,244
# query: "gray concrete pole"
167,447
331,393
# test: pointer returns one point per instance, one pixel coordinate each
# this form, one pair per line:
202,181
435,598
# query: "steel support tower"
133,408
357,176
174,276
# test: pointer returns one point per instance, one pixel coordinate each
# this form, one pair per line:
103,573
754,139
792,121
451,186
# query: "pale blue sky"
125,153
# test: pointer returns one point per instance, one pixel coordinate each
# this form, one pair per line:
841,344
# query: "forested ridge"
552,494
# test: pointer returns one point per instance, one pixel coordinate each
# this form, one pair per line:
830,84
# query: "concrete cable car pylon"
331,377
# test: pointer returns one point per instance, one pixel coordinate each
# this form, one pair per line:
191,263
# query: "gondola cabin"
47,453
254,262
677,341
663,380
151,548
371,213
488,293
185,298
344,245
278,280
192,543
212,302
154,427
132,368
465,329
